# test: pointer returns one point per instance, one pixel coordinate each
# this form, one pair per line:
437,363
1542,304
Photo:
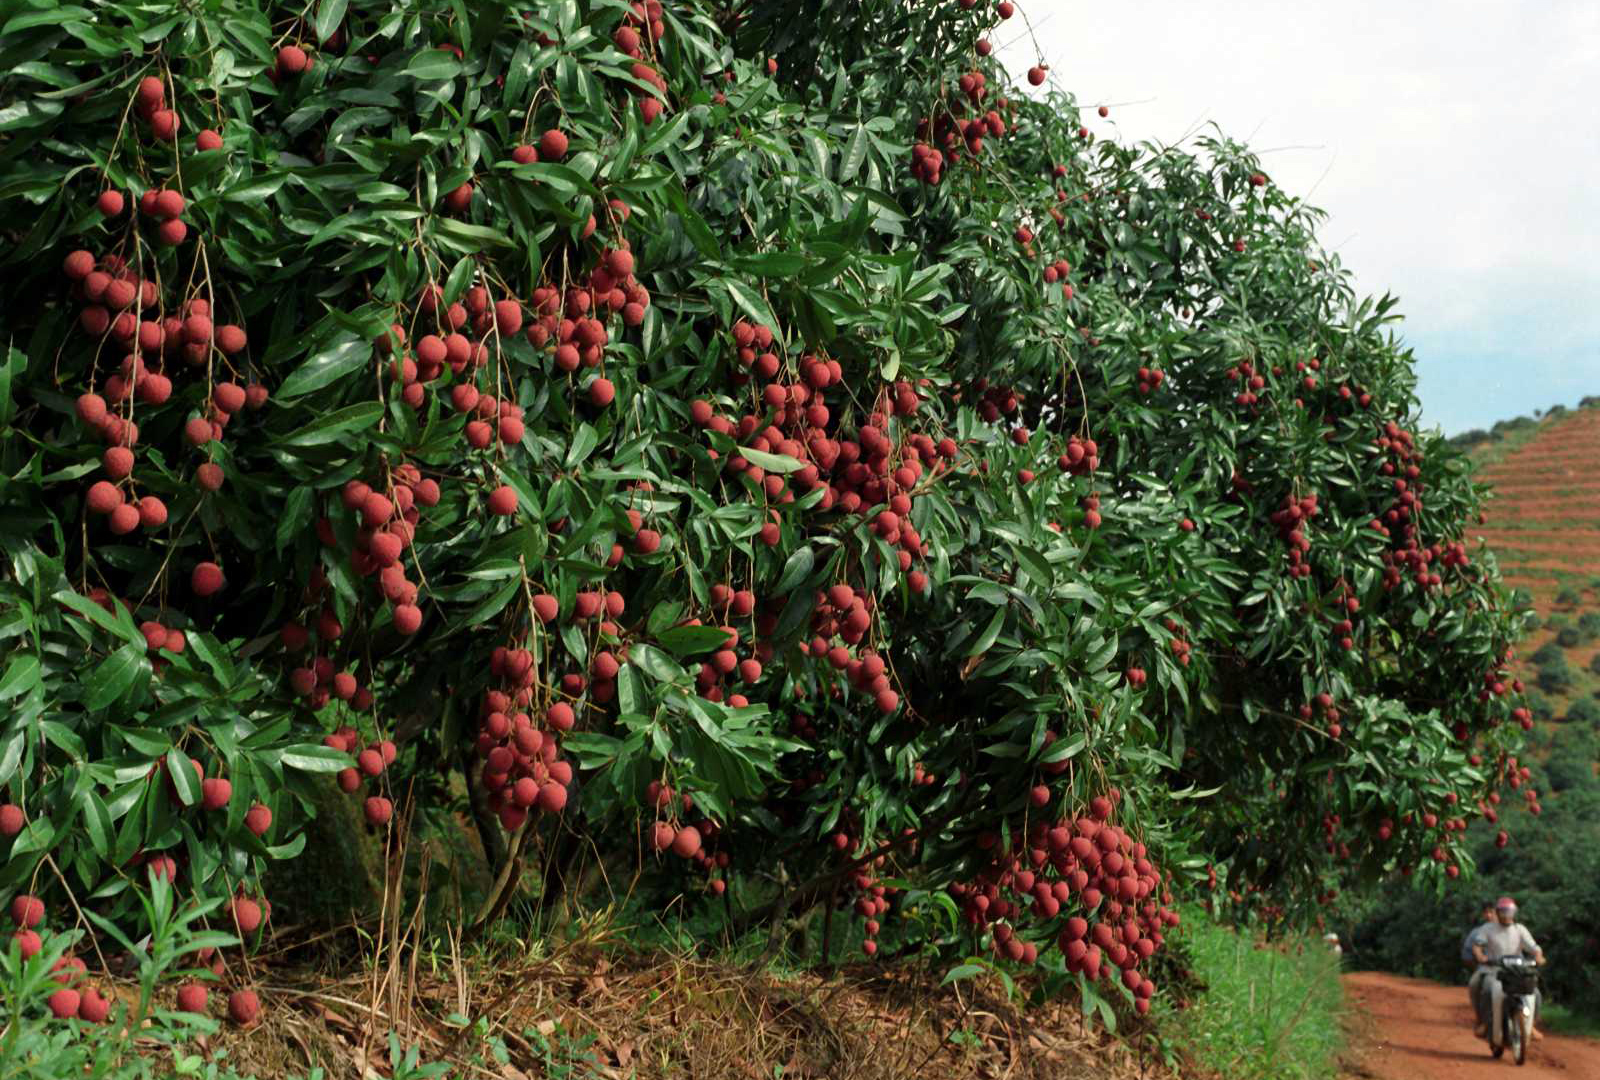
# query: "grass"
1272,1011
1564,1020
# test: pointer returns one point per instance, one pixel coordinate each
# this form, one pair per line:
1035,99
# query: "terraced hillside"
1544,526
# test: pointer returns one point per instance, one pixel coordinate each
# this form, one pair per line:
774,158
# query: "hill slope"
1544,526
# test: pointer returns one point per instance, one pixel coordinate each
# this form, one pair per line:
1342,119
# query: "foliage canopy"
770,424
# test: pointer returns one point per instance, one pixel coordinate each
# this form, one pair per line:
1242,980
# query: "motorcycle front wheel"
1522,1025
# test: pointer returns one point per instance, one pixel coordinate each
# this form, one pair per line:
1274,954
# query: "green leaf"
315,758
962,971
115,675
432,64
799,564
772,463
689,640
990,633
96,821
181,772
748,299
329,14
21,675
584,440
654,663
855,152
495,604
255,189
296,515
120,624
346,354
337,423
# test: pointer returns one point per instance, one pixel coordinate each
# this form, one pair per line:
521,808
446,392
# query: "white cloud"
1455,147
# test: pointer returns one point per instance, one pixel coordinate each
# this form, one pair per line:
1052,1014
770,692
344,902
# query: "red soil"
1423,1031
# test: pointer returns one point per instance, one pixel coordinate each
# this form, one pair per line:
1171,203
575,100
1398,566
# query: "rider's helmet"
1505,903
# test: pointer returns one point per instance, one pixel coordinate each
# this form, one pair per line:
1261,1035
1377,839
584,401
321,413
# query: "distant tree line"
1478,436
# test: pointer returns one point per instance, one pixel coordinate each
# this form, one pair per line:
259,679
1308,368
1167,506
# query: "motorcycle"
1519,980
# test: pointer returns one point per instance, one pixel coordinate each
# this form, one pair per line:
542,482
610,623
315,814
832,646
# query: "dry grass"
592,1010
592,1006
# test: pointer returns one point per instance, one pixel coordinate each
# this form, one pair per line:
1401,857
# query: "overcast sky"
1455,146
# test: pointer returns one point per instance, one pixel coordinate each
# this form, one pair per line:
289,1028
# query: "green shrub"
1589,625
1584,711
1569,596
1555,677
1548,653
1569,637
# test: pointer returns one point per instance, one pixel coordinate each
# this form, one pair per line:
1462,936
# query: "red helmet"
1505,902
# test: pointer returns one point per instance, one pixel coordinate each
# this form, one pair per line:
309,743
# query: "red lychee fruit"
231,340
258,819
378,810
93,1008
207,579
110,203
28,943
229,397
168,204
292,60
12,819
27,911
376,510
103,497
552,797
601,393
164,125
407,619
192,998
507,316
687,842
215,793
553,145
117,462
246,913
78,265
503,500
64,1004
458,200
243,1005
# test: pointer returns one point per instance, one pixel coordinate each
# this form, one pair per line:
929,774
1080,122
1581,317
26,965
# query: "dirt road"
1423,1031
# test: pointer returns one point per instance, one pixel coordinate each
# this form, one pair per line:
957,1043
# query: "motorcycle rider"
1504,937
1485,919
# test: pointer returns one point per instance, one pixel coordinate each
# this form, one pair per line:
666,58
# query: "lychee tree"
801,468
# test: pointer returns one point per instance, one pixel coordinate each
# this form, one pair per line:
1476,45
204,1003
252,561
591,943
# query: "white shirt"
1497,941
